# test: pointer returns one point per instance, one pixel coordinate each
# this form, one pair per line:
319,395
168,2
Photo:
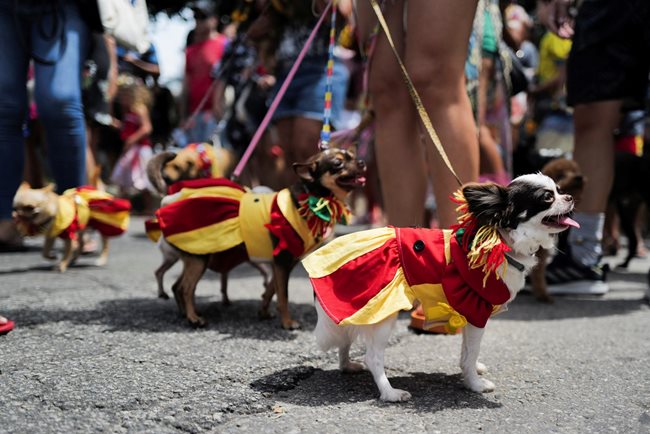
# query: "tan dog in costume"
43,212
195,161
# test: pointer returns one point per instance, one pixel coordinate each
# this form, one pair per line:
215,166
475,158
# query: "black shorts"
610,56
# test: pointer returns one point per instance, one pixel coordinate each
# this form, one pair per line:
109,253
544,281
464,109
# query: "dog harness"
364,277
210,216
86,206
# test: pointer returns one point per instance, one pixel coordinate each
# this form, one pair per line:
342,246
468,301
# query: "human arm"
111,47
150,68
145,127
218,95
558,16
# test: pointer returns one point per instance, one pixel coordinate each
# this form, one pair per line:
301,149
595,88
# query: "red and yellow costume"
364,277
86,206
212,216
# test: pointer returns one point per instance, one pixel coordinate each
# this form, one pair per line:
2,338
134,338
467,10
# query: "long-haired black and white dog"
362,280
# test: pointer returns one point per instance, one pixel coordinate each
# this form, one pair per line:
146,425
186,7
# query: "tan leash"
414,93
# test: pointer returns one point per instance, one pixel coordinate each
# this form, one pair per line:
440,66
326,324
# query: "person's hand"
558,16
218,109
266,81
129,57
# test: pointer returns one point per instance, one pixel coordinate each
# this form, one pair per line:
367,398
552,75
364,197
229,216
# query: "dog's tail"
154,170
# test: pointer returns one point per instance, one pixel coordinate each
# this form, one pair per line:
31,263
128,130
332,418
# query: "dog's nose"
568,198
361,164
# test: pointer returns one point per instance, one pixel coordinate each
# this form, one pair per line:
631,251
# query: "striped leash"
325,134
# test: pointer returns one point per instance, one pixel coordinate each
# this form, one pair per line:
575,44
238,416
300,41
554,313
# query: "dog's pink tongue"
568,221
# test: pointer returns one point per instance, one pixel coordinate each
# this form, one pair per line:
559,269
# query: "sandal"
417,325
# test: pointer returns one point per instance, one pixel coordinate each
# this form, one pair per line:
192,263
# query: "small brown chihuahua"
218,224
40,211
568,176
196,160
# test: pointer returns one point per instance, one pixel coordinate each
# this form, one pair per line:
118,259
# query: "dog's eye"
549,196
337,163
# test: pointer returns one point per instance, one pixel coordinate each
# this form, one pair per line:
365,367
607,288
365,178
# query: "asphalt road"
94,350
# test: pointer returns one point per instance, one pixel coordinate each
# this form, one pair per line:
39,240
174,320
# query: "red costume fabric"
425,258
199,60
216,215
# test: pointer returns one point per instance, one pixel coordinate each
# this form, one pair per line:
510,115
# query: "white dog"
461,276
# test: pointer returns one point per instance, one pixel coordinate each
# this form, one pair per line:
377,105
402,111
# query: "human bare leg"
436,64
399,153
594,152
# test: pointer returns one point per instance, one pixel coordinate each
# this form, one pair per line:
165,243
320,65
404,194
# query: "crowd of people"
507,85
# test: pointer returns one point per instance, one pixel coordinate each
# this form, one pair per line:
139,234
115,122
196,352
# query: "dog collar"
512,261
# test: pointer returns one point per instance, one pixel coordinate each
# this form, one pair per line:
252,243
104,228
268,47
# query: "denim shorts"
305,96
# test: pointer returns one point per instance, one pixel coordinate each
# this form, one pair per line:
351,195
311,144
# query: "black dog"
629,191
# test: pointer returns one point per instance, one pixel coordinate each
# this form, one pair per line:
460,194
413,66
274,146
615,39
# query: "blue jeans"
57,93
305,96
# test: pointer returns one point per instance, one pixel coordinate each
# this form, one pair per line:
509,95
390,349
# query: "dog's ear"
306,171
49,187
24,186
155,167
489,204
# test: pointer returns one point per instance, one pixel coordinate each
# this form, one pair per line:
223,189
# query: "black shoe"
565,276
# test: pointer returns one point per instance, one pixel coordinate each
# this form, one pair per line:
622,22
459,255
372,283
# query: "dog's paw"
226,302
481,368
264,314
544,298
353,368
291,325
163,295
395,395
480,385
101,261
49,256
61,267
197,322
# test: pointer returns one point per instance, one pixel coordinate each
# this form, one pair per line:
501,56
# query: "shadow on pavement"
239,320
526,307
43,267
309,386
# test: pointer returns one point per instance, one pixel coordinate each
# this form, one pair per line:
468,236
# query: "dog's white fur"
525,240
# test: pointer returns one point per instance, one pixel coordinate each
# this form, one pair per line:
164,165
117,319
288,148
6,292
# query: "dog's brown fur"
568,176
37,208
168,167
321,174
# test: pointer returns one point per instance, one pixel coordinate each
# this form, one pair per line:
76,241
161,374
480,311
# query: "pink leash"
278,97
